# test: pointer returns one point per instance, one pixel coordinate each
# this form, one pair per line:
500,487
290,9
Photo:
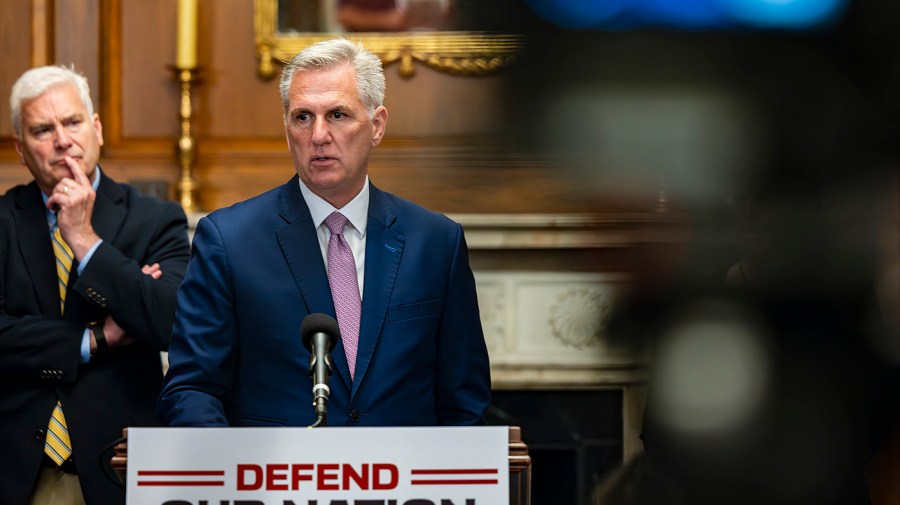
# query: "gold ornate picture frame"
467,53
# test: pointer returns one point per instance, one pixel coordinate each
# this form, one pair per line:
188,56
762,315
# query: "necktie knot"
336,222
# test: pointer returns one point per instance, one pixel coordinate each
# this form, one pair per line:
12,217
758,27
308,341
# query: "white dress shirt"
357,214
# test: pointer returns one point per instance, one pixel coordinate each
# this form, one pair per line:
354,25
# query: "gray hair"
332,53
35,82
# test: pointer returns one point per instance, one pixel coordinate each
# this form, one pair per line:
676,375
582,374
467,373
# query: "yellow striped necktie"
58,445
63,265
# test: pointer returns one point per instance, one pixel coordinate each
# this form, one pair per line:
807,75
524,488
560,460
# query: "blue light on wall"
577,14
797,14
689,14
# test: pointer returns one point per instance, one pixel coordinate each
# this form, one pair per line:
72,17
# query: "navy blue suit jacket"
256,272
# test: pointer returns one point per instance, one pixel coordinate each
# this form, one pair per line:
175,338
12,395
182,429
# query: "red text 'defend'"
321,477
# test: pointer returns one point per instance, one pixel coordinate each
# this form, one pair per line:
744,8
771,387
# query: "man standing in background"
88,275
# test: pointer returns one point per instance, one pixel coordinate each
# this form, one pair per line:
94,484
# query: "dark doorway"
574,438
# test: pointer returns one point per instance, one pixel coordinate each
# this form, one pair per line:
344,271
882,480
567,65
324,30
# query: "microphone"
319,335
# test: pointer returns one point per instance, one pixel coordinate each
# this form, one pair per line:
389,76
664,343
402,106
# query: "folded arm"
142,304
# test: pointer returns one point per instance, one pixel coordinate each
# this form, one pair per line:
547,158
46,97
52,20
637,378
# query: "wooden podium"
519,469
519,465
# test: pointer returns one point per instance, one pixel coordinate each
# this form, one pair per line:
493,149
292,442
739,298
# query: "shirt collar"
356,212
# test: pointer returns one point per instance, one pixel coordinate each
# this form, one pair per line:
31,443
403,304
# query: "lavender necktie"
344,286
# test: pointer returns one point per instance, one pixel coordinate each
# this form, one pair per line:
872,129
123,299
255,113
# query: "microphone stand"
318,335
320,390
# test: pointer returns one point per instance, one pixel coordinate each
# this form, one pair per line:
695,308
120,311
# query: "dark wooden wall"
444,132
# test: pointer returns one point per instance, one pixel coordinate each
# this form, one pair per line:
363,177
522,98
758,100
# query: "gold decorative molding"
464,53
187,145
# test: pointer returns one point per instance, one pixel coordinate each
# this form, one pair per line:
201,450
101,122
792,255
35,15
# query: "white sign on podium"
321,466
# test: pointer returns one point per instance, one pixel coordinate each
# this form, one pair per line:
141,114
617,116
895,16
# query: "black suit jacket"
40,349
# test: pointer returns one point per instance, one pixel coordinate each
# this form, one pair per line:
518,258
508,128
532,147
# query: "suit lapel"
109,210
33,234
384,248
300,247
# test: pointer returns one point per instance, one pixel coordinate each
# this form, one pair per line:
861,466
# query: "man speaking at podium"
411,351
